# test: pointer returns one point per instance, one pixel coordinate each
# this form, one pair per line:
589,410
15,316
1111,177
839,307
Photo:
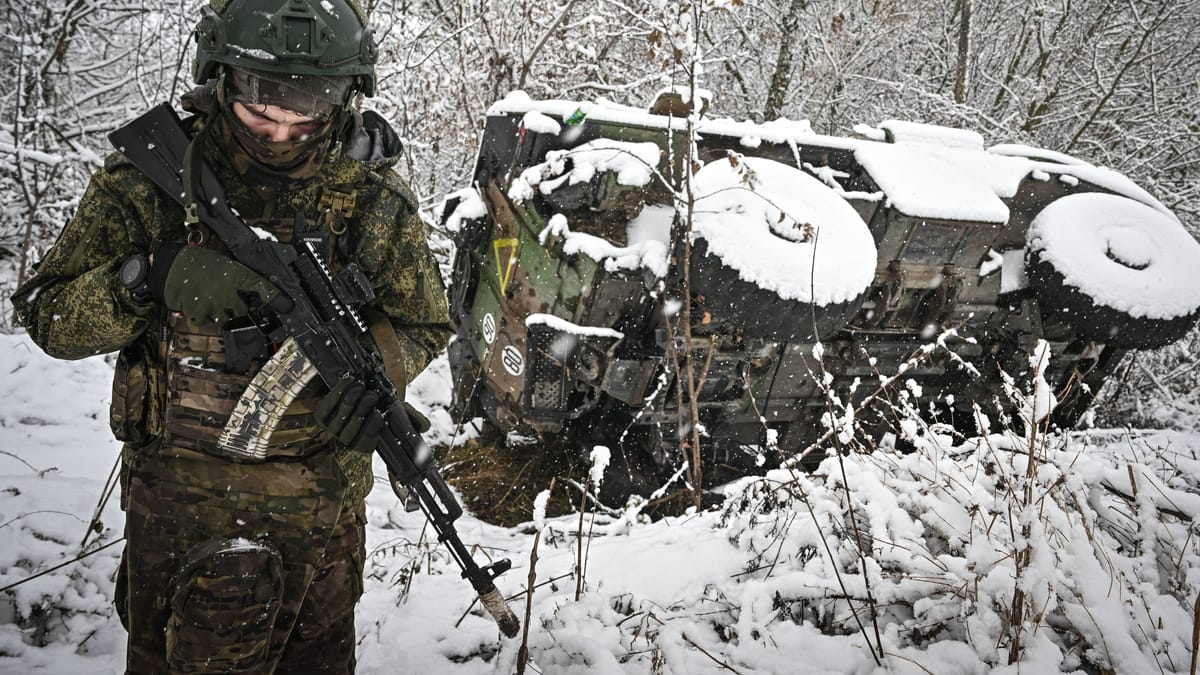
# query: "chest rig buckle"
339,205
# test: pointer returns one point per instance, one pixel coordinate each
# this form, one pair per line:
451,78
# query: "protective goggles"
312,96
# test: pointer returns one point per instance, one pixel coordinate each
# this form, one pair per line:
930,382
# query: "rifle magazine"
259,410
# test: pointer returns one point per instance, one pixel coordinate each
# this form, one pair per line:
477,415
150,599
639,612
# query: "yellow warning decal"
506,260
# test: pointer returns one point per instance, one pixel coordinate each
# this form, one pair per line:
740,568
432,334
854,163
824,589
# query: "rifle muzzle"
494,603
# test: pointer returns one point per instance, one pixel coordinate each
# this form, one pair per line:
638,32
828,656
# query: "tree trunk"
964,50
781,79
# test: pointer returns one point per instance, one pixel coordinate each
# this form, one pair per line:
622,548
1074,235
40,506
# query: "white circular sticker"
489,328
513,361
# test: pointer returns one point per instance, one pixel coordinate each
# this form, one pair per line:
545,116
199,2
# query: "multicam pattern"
201,395
172,397
180,502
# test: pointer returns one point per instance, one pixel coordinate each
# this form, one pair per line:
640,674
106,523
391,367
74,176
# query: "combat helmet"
286,37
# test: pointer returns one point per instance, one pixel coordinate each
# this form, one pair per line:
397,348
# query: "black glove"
419,421
206,286
348,413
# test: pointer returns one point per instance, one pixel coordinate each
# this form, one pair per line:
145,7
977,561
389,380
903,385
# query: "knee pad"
224,601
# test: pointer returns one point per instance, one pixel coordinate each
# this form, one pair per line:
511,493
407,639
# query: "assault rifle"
315,318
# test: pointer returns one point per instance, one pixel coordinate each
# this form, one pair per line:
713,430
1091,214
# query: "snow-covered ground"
758,587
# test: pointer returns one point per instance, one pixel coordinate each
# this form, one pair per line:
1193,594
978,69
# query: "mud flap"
223,607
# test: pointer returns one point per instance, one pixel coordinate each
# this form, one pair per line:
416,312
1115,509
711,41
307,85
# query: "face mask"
273,164
280,155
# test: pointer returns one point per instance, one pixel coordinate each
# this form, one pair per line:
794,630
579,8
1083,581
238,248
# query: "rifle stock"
320,316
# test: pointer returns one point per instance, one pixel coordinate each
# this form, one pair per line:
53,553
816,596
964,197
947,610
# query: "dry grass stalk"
579,541
530,585
1195,635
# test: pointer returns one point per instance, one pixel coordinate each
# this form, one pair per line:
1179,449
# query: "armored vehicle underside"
568,317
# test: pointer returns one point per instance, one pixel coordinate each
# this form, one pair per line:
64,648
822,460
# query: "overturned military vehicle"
816,265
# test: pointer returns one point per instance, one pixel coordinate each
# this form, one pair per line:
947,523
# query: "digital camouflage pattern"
302,508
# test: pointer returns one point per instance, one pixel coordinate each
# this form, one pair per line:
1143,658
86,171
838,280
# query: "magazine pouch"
224,602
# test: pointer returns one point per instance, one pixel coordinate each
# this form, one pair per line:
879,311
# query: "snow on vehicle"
816,261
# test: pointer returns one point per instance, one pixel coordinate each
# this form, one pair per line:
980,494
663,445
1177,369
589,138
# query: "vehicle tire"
758,311
776,253
1117,270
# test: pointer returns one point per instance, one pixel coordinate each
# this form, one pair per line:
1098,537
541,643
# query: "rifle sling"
191,172
390,349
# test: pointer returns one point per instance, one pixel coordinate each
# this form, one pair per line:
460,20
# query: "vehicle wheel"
1117,270
776,253
758,311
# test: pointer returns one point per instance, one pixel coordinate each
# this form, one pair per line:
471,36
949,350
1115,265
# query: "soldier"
230,565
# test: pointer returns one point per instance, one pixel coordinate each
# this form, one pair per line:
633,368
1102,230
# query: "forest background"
1114,82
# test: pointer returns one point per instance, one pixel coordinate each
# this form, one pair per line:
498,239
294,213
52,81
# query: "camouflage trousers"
239,568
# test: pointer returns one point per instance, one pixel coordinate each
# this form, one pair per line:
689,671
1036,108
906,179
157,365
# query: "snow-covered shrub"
1017,543
67,607
1014,550
1154,389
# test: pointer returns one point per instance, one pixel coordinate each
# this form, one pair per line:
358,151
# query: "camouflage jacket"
75,306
